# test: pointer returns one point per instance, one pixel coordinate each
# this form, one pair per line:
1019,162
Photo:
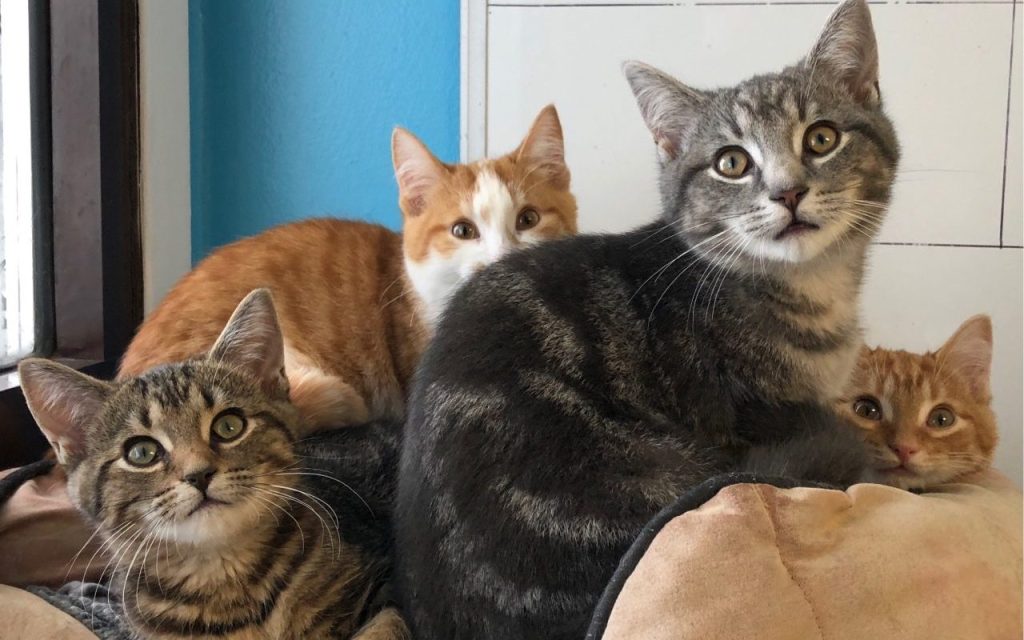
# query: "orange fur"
354,321
906,450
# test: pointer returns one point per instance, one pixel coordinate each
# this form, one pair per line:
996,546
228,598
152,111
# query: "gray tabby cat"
221,525
575,389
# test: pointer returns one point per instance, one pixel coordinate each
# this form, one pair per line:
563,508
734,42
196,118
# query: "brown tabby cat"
358,302
196,479
926,417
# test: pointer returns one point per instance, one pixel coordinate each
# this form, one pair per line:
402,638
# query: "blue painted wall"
293,103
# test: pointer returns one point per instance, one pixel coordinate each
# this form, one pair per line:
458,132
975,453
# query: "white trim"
165,153
473,76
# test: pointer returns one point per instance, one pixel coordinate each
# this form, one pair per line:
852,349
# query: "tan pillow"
43,539
23,615
873,562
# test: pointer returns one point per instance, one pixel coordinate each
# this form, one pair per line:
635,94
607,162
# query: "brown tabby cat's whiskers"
217,522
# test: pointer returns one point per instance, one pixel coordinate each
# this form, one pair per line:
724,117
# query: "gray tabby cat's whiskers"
575,390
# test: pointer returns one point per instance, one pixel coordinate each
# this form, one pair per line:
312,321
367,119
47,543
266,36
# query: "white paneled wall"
951,76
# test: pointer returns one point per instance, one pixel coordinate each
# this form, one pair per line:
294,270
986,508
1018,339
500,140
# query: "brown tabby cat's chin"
926,417
357,302
200,489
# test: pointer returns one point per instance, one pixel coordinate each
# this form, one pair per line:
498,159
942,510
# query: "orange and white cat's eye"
465,230
941,418
527,219
867,408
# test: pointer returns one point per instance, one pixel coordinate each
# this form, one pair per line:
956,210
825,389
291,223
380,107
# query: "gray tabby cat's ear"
969,352
252,342
847,50
63,402
543,148
416,170
669,107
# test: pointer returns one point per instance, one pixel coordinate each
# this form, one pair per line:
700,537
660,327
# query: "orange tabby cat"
357,302
926,417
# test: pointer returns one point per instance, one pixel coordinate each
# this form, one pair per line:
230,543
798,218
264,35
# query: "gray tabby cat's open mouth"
796,228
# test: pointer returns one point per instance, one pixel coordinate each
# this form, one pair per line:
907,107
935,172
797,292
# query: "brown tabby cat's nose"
200,479
789,198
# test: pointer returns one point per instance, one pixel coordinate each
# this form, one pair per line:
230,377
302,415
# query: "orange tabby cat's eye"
868,409
465,230
527,219
941,418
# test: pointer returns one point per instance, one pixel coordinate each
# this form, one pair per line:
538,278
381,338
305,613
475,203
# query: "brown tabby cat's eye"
867,408
142,452
465,230
227,426
821,138
941,418
527,219
732,162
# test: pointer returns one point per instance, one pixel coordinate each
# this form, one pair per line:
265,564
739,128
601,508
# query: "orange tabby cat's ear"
63,402
416,170
544,148
969,351
252,341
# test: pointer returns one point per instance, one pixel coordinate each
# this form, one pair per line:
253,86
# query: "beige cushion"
43,539
871,562
23,615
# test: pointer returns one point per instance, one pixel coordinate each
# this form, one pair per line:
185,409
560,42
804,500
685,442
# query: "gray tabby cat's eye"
227,426
465,230
732,162
821,137
867,408
142,452
941,418
527,219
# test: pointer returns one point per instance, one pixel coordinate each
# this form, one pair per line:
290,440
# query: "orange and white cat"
358,302
927,418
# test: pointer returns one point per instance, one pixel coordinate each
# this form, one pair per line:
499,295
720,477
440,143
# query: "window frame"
87,187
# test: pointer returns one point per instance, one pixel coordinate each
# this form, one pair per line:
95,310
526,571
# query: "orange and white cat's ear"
252,342
63,402
543,148
969,351
416,170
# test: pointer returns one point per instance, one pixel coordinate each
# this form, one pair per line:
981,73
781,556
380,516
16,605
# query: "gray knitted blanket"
92,604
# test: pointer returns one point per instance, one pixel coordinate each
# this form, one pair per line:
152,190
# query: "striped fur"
907,388
575,389
283,539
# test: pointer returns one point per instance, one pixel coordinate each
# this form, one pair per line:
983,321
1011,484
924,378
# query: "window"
70,254
17,282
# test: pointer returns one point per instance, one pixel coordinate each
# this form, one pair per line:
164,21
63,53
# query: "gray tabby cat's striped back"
574,389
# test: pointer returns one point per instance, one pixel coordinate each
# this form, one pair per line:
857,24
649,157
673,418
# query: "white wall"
951,245
166,191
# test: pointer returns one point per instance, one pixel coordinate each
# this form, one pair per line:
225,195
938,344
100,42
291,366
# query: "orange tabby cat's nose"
904,452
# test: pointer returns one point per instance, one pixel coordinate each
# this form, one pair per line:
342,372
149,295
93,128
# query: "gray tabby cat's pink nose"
789,198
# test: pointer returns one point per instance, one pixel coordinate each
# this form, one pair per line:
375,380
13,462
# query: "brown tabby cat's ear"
847,50
969,352
544,149
416,170
252,342
668,106
63,402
